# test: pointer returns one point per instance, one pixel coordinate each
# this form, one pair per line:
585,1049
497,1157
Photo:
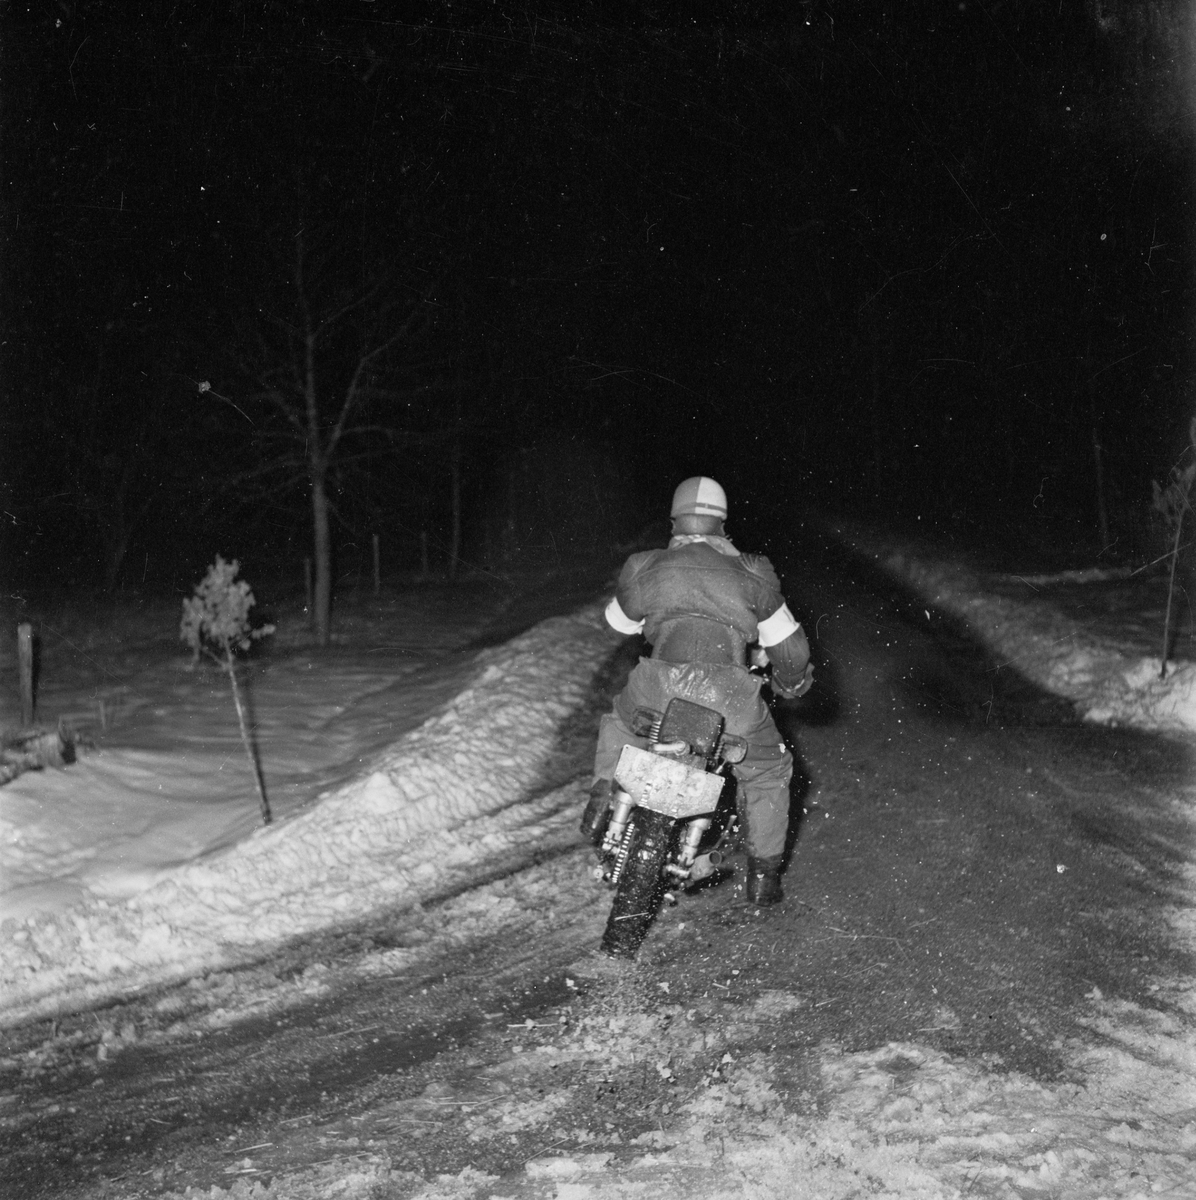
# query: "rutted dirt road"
972,866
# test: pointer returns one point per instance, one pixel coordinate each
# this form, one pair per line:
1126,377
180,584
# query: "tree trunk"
322,551
114,559
116,535
455,546
246,739
1179,525
1102,509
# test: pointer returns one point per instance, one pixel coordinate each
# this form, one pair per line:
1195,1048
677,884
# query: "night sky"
913,262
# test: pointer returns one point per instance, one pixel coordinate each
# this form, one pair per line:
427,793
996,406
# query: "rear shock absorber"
620,863
688,850
621,807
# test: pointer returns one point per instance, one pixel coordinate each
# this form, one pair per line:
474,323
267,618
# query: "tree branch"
352,391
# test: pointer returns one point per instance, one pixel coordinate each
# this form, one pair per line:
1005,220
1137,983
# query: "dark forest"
489,279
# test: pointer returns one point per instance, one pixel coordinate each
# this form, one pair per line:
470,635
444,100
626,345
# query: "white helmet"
699,497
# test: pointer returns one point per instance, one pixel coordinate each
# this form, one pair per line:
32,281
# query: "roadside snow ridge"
447,797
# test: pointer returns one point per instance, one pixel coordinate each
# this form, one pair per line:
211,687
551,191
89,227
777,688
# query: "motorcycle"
669,815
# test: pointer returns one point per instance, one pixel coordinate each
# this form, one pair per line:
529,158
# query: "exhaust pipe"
705,865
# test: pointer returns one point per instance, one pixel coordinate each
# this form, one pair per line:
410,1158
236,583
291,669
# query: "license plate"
666,785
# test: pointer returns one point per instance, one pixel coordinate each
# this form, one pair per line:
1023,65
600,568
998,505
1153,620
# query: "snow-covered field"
134,867
395,822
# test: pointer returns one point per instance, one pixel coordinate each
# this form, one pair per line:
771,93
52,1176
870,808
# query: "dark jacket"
697,604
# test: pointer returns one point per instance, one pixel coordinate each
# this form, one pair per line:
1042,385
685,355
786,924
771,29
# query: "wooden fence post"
25,661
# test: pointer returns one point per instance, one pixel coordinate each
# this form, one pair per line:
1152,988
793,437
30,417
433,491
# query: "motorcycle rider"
701,604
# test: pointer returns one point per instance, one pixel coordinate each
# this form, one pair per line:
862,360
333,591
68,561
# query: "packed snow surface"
902,1120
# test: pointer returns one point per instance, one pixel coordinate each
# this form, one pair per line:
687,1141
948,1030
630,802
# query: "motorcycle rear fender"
666,785
698,726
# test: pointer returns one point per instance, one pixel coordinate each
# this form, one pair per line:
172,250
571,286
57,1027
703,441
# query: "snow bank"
450,796
1108,683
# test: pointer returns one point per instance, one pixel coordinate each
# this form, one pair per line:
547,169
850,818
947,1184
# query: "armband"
777,628
619,621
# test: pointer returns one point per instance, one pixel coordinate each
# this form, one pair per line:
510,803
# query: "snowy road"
980,981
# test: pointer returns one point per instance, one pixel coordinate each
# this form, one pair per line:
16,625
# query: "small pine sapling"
216,623
1175,500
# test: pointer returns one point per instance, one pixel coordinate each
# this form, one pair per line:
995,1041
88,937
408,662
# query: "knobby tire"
642,885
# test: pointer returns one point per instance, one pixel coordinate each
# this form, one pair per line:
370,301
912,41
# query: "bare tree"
330,368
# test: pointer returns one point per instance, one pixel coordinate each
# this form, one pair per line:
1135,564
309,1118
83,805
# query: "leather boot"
597,812
764,881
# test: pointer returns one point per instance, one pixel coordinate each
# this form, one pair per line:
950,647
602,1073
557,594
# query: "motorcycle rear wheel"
641,887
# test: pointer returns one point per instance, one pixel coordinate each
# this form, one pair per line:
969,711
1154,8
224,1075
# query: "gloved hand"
800,688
